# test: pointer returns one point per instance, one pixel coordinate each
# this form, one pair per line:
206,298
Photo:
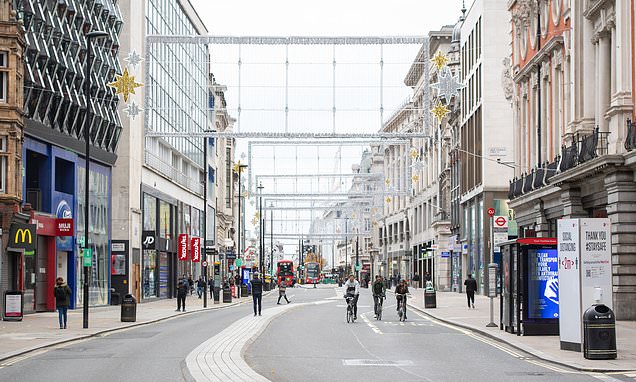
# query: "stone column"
604,80
621,209
572,205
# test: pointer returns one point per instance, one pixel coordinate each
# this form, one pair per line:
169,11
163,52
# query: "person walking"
191,284
416,280
257,292
182,292
281,291
471,287
62,295
200,286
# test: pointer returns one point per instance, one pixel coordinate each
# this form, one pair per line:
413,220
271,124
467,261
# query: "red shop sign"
63,227
196,249
182,246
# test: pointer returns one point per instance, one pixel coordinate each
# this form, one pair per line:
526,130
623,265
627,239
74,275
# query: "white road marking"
375,329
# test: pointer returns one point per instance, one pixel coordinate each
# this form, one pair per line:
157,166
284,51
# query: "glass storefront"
99,234
150,274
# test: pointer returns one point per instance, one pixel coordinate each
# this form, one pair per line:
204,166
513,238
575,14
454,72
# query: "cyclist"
352,289
379,292
401,290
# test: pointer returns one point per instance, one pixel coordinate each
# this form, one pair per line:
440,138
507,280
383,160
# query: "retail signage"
23,236
148,239
585,273
445,254
63,227
13,306
182,246
196,249
230,255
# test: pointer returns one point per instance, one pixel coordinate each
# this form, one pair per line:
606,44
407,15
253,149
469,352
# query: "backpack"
60,293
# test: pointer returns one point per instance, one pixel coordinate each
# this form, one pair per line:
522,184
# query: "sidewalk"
41,330
452,309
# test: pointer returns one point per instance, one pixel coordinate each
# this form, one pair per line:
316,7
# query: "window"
3,164
3,76
228,177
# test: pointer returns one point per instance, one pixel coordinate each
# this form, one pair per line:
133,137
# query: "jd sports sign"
23,236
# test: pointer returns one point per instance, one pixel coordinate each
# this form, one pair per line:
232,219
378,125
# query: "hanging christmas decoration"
238,167
125,84
447,86
415,178
388,199
415,153
440,111
440,60
418,165
387,181
133,59
132,110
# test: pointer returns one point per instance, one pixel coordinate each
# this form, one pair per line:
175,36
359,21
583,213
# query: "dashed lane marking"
375,329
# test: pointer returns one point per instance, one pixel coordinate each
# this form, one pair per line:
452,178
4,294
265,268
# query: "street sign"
501,222
445,255
238,262
230,255
87,254
491,212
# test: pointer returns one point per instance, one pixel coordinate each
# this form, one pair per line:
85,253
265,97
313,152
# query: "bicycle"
350,302
401,306
378,307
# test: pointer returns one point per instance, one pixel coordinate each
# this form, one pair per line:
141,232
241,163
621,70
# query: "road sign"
87,254
501,222
491,212
204,263
230,255
238,262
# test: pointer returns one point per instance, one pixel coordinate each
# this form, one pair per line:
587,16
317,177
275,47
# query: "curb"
524,349
112,330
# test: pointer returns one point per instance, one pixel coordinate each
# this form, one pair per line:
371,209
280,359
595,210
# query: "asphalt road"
314,343
153,352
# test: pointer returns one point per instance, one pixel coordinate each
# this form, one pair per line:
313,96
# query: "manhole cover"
375,362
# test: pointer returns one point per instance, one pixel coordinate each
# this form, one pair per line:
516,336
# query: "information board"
543,283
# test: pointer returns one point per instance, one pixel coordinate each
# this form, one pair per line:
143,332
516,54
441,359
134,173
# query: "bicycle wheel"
348,315
379,317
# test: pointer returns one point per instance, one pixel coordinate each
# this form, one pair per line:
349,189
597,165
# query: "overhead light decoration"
448,86
440,60
125,84
440,111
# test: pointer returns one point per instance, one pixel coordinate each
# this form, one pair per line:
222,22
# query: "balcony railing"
581,150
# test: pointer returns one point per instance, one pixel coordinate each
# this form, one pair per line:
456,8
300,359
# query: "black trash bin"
430,298
115,298
243,290
217,294
599,333
129,308
227,294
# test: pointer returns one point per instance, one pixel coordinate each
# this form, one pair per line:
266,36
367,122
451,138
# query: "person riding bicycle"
379,291
401,290
352,290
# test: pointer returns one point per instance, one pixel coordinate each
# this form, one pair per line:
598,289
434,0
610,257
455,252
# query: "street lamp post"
262,230
89,37
271,240
239,168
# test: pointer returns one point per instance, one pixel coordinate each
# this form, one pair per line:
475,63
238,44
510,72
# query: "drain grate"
375,362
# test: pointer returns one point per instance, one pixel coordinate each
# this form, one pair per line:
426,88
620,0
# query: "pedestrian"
257,292
182,292
62,295
281,291
200,286
211,286
416,280
471,287
191,284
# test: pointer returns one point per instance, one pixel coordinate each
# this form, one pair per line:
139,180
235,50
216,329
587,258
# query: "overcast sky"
327,17
260,84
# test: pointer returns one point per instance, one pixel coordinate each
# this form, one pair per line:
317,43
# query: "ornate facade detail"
506,79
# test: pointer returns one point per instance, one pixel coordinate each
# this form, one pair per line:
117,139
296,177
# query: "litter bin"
430,298
129,308
227,294
115,298
266,287
217,294
243,290
599,333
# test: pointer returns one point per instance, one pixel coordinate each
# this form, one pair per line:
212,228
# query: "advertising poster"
596,262
13,305
62,203
543,284
570,287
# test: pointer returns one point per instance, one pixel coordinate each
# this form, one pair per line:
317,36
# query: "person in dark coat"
416,280
200,286
281,291
191,284
182,292
257,292
62,295
471,287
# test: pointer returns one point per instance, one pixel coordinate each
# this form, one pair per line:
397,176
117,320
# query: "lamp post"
205,219
87,137
238,167
261,231
271,240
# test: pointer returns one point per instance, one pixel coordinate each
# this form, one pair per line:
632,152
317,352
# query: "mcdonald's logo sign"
23,236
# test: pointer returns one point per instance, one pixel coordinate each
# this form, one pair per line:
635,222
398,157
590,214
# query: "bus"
312,272
285,271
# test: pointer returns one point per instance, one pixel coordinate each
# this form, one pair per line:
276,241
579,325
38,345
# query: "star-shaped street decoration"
238,167
125,84
133,59
440,60
447,86
414,153
254,221
246,194
132,110
417,166
387,181
440,111
415,178
388,199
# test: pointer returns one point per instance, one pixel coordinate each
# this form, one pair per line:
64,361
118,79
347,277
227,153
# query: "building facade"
573,73
52,169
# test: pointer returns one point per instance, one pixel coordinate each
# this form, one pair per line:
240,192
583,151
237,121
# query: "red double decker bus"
312,272
285,271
